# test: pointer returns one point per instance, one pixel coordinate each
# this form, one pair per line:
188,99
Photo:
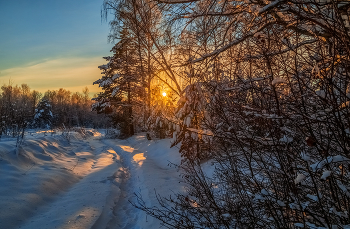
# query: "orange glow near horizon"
73,74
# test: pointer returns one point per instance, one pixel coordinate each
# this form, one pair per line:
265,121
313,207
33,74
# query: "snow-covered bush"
276,75
192,122
269,170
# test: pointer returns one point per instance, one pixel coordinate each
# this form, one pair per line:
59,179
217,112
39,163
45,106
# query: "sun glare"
164,94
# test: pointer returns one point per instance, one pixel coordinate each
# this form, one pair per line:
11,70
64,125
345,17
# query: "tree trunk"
130,121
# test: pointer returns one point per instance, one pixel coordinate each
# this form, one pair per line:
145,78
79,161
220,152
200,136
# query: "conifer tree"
43,114
120,83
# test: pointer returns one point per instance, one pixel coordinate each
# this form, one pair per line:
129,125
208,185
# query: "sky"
52,44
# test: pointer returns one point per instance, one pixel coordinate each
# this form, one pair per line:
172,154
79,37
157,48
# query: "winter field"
83,180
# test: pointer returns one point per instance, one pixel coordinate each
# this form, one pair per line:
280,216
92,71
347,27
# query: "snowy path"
83,183
146,166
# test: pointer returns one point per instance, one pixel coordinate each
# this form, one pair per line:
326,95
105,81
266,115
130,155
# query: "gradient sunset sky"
52,44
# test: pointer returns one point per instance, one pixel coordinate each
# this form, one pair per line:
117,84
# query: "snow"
321,93
312,197
115,91
264,192
299,178
286,139
339,158
83,181
202,132
281,203
115,76
269,6
305,156
106,82
188,121
343,188
326,174
259,197
329,159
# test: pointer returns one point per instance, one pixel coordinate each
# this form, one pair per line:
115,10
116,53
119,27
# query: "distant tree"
35,97
43,114
16,110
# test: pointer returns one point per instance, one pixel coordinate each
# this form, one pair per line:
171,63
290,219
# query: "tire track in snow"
122,214
145,177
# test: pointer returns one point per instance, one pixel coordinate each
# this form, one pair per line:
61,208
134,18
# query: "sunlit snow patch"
139,158
127,149
114,153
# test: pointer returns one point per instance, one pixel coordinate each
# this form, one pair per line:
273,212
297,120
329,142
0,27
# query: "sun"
164,94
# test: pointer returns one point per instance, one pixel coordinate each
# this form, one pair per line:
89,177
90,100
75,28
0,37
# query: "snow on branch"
311,18
106,83
330,159
201,132
104,66
233,43
269,6
176,1
98,81
290,48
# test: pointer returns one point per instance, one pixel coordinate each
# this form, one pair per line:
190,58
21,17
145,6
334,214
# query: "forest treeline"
259,88
22,108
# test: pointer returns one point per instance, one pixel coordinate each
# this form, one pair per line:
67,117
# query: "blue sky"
50,44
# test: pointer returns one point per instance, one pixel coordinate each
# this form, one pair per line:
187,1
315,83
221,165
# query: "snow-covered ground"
83,181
